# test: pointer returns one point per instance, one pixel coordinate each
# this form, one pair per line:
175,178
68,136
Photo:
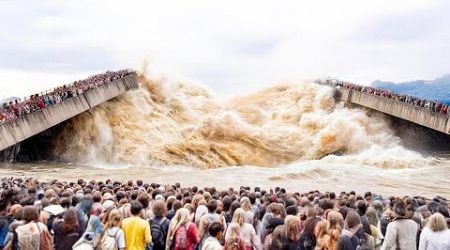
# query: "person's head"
311,211
115,218
336,220
159,208
226,203
292,210
215,229
372,217
144,200
378,205
352,220
70,224
239,216
135,208
182,216
321,228
14,208
399,208
212,206
277,210
292,226
233,230
246,204
30,214
361,207
437,223
278,237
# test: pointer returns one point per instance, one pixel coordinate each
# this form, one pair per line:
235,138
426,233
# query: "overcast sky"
229,46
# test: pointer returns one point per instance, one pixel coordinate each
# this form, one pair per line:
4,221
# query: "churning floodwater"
292,135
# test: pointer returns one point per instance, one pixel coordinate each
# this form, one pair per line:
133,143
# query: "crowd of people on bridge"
435,106
136,215
14,109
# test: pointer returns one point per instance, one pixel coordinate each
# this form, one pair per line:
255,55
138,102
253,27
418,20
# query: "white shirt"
430,240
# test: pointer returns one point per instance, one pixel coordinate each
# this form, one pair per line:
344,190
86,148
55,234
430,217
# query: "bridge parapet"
29,125
398,109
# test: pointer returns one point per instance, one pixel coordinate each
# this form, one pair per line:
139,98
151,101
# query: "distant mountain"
438,89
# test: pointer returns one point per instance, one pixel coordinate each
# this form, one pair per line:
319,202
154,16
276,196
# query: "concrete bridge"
412,113
13,133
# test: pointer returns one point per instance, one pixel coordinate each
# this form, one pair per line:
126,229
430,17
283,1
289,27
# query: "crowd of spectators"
434,106
16,108
136,215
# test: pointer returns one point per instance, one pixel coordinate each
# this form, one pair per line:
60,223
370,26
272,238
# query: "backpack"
4,229
108,241
180,237
29,236
158,233
45,241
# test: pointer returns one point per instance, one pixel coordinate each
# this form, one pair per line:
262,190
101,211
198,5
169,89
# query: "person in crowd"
92,206
29,234
66,230
215,232
234,241
136,229
402,231
372,218
270,228
247,231
435,235
307,237
336,224
113,236
183,233
323,239
208,218
292,227
159,225
349,239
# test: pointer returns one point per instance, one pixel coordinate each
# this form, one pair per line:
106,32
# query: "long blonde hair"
239,216
234,231
246,204
437,223
181,217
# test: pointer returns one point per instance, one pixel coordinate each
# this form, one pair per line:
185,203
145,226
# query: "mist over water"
292,135
175,123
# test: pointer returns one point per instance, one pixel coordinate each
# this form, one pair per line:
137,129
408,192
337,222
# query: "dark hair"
226,203
399,208
361,207
120,195
292,210
332,196
215,228
177,205
144,200
135,208
212,205
134,195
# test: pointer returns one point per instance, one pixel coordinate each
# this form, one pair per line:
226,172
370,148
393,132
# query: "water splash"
177,123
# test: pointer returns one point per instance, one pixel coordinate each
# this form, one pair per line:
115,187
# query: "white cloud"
230,46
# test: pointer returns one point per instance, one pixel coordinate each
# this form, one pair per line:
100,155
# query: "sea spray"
178,123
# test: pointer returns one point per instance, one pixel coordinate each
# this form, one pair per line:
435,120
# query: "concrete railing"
38,121
412,113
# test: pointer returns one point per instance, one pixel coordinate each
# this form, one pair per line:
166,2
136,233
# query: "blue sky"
229,46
